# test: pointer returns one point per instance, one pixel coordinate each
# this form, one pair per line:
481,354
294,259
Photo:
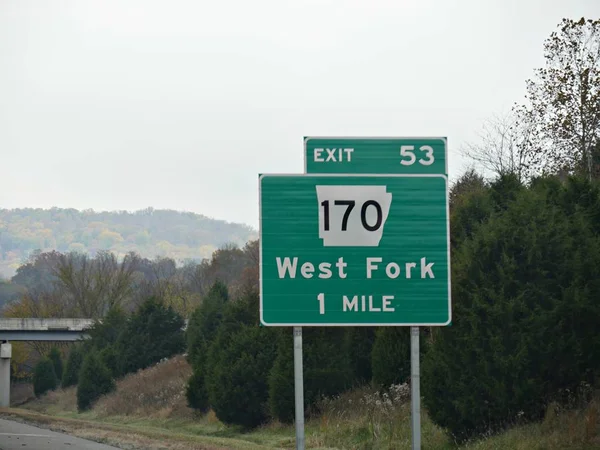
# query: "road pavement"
15,435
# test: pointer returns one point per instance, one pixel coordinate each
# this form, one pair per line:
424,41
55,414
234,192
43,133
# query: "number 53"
407,151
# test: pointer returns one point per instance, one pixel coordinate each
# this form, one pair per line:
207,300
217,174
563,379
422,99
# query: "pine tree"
239,376
359,347
152,333
56,359
44,377
71,372
526,314
281,379
95,380
327,370
205,320
201,331
391,356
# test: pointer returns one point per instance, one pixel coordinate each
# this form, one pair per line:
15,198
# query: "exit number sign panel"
340,155
354,250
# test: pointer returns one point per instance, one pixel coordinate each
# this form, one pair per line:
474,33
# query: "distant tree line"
149,233
53,284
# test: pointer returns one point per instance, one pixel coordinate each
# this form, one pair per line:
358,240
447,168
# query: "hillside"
148,232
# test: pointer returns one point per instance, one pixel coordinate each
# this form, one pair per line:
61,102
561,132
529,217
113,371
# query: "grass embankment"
148,410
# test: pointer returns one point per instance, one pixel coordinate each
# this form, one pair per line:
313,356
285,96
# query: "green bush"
359,346
205,321
239,377
105,333
526,315
44,377
71,372
56,359
391,356
281,379
201,331
327,370
152,333
95,380
238,364
195,392
110,358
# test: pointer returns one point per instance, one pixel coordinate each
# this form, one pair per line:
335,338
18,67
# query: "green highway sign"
426,155
354,250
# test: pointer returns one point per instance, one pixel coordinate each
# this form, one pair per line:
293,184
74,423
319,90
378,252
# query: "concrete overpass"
44,329
34,330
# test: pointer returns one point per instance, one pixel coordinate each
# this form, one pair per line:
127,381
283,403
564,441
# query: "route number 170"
408,151
350,204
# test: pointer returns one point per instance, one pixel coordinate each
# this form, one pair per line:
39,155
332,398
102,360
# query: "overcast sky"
125,104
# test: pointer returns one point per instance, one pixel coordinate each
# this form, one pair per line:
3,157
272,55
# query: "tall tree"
563,103
96,285
499,148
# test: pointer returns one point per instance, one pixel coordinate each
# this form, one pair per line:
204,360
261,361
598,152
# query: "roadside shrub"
56,359
110,359
72,367
281,379
359,346
195,390
201,331
44,377
326,367
239,379
391,356
105,333
525,332
205,321
153,332
95,380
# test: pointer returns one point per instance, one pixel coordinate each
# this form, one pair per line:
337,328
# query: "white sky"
125,104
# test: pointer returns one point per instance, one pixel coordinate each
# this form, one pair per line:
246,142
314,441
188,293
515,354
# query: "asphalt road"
14,435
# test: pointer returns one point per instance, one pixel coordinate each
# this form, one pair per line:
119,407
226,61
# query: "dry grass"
59,401
21,393
157,392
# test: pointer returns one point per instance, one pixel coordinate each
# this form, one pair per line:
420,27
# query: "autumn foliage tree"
562,108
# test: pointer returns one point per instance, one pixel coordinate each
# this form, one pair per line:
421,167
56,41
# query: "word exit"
333,154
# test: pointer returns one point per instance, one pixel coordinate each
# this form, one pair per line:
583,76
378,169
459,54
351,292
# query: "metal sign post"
299,388
415,388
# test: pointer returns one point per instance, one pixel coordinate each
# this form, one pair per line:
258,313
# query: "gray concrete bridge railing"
34,330
44,329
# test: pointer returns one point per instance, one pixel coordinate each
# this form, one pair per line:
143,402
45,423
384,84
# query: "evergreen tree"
239,380
327,370
110,358
152,333
281,379
239,361
44,377
95,380
201,331
525,313
105,332
391,356
56,359
205,320
195,392
359,347
71,372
